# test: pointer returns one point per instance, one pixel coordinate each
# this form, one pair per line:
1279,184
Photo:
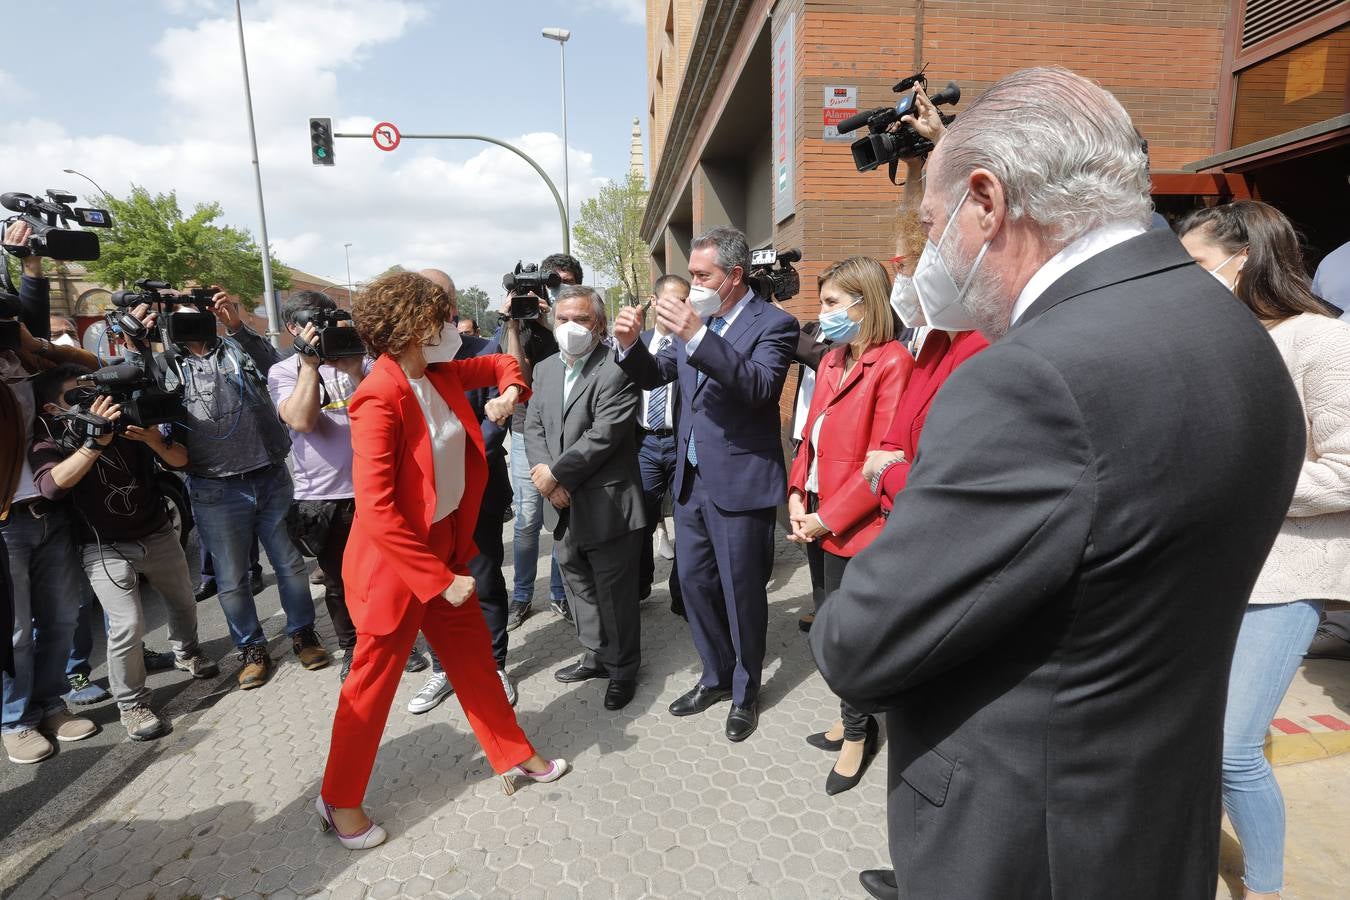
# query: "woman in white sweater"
1252,248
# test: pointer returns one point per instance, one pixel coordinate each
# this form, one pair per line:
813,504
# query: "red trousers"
459,635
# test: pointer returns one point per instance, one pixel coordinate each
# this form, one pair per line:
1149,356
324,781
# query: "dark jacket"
1050,612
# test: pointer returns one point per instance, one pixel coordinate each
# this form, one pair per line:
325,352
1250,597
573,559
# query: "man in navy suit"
731,357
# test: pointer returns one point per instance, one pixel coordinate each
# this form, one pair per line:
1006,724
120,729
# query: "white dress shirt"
654,345
729,318
447,446
1080,251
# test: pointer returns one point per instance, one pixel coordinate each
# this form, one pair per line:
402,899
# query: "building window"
1301,86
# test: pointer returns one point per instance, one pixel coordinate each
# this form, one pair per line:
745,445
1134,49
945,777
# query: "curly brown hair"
400,310
910,231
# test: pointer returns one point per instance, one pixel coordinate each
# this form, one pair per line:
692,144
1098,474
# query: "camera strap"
892,167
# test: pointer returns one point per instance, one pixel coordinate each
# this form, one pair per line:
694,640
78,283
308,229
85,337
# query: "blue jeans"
47,587
230,513
82,645
529,519
1270,646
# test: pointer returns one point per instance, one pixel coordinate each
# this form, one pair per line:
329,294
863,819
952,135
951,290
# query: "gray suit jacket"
590,445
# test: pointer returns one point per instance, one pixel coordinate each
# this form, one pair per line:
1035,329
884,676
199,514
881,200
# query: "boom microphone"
858,120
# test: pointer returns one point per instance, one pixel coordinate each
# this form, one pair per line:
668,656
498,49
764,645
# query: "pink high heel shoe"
557,769
373,836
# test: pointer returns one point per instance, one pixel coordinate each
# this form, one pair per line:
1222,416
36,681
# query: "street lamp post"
561,35
346,250
88,179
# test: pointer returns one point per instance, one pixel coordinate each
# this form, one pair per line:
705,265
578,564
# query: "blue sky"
160,103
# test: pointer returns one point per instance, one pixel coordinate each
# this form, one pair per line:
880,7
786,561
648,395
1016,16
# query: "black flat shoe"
821,742
836,783
880,883
697,700
741,721
619,693
805,622
578,672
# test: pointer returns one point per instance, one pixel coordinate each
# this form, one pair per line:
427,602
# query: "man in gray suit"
580,440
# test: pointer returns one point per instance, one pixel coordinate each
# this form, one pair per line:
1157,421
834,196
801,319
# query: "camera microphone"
858,120
122,375
951,94
790,256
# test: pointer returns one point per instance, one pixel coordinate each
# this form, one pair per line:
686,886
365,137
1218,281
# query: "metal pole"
88,179
269,296
348,254
567,180
557,198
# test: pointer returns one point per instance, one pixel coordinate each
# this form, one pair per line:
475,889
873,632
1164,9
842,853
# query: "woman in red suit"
419,472
832,509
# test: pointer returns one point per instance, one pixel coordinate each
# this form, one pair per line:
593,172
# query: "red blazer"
941,354
389,559
858,414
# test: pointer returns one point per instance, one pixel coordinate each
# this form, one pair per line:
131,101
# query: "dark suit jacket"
734,412
1051,610
497,496
591,446
673,388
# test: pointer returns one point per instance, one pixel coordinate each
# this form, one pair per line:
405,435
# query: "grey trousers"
602,588
113,570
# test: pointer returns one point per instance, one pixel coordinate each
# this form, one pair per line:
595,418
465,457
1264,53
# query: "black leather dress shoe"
578,671
205,591
699,699
880,883
619,693
741,721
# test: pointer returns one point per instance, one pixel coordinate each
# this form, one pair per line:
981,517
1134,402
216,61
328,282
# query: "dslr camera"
336,338
527,286
51,218
180,327
772,274
9,320
878,147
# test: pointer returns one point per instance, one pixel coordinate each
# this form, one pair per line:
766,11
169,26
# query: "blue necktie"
718,325
656,398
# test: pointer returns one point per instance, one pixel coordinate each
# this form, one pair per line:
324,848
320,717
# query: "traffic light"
321,142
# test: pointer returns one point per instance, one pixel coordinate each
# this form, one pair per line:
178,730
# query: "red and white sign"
840,102
386,136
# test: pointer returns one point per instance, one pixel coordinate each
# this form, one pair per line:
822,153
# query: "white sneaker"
431,694
664,548
509,686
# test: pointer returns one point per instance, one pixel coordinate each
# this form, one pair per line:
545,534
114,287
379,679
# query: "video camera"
81,425
180,327
879,147
781,283
527,286
337,337
9,320
135,388
46,217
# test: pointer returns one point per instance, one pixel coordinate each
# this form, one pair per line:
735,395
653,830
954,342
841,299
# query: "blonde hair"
865,280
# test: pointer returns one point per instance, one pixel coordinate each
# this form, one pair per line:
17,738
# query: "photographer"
531,341
928,123
240,487
124,532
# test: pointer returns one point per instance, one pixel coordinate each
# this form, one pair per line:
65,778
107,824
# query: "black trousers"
330,564
827,573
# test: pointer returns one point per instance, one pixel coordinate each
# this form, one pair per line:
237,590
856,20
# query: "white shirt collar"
1076,253
735,311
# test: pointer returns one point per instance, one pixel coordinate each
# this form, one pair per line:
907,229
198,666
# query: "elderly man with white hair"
1049,615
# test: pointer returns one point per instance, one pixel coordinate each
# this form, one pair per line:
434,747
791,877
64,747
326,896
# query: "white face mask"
66,340
705,300
445,348
574,339
939,294
905,301
1219,268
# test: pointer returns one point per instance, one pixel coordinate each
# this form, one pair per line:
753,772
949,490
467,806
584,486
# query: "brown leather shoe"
257,667
306,645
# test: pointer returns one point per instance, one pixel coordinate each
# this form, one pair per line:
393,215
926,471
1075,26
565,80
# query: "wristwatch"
875,484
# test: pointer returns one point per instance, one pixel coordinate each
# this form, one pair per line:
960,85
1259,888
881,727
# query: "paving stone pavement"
656,806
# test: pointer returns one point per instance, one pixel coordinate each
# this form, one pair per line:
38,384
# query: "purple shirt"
322,459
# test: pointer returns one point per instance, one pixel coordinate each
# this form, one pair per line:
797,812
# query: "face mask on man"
705,300
574,338
905,301
66,340
445,347
1219,268
939,295
838,327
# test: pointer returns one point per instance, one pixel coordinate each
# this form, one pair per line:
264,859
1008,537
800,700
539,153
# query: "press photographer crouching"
82,451
239,485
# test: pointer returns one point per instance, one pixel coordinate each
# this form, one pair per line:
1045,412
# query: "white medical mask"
445,347
66,340
706,301
837,326
939,294
1217,269
905,301
574,338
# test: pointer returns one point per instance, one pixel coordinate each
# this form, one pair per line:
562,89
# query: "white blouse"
447,446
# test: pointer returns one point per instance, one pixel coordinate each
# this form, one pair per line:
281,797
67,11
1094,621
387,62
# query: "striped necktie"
718,325
656,398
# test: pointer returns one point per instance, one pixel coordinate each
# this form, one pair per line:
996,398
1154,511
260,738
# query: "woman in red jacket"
419,472
832,509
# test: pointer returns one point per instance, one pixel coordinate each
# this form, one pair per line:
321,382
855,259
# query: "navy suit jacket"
498,495
733,414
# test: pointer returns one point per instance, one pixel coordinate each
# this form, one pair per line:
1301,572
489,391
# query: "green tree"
474,304
606,235
152,238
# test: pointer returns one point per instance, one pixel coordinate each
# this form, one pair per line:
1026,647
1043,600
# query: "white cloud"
632,11
425,204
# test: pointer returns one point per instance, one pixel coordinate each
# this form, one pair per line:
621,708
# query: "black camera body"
336,338
9,320
144,403
79,425
183,327
772,274
527,286
878,147
51,218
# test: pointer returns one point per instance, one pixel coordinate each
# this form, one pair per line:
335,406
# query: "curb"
1290,743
